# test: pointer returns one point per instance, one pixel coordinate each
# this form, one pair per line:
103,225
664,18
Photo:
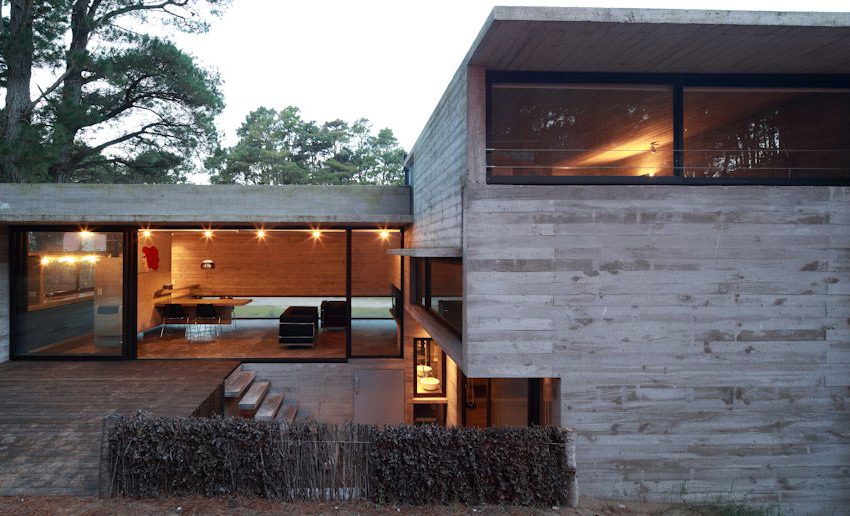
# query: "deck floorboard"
51,414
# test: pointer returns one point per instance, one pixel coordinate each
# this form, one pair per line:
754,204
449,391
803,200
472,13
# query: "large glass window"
375,286
673,129
69,288
437,285
580,130
766,133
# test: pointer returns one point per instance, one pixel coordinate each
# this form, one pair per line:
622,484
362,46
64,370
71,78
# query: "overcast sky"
388,61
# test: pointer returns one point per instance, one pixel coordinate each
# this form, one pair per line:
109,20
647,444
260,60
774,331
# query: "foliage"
280,147
430,464
150,457
124,106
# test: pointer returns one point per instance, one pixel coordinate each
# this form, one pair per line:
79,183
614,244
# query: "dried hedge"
145,456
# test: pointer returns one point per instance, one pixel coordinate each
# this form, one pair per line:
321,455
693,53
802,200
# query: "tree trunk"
69,115
19,55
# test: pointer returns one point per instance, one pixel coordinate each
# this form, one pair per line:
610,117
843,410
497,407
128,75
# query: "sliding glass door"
69,294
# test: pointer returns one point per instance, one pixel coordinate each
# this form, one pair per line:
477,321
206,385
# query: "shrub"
147,456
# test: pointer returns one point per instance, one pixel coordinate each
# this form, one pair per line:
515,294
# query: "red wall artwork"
151,257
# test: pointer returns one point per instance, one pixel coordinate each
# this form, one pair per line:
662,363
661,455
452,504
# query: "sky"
388,61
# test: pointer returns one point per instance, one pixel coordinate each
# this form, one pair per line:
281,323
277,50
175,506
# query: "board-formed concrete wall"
439,170
701,334
119,203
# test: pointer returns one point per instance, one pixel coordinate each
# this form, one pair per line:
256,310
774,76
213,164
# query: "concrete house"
632,222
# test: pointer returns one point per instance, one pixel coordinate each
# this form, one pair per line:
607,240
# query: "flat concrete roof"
354,205
575,39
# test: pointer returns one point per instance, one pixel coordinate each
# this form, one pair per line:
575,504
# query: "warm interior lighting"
85,233
146,233
384,234
45,260
261,234
90,258
316,233
208,233
67,259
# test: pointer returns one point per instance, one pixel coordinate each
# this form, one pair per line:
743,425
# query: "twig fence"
143,456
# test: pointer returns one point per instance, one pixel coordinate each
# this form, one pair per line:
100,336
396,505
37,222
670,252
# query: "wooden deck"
51,414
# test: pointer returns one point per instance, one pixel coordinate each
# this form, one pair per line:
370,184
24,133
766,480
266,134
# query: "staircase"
247,397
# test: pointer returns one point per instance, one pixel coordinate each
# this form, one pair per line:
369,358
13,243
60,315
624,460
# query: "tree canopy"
128,106
125,106
280,147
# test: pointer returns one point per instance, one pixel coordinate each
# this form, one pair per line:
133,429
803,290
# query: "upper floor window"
779,133
580,130
667,129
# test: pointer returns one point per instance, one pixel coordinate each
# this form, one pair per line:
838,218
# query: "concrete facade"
46,203
700,334
437,168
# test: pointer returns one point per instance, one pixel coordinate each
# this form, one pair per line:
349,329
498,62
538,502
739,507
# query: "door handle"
356,384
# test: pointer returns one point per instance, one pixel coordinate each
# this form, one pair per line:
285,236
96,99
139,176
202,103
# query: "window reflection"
70,294
580,130
767,133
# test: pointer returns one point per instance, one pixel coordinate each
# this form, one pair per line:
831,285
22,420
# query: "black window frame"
678,82
17,260
422,266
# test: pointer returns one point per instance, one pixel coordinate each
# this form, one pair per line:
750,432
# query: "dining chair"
206,314
173,313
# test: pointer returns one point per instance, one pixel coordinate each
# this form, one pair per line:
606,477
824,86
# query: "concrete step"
237,382
269,408
255,395
288,413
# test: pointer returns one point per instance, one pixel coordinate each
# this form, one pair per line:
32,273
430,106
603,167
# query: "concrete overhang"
428,252
354,205
570,39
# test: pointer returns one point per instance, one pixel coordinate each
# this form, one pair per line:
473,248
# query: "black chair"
334,314
173,313
207,314
299,326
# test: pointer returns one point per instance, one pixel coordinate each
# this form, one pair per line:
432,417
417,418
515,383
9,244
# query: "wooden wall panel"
700,334
149,285
286,263
372,269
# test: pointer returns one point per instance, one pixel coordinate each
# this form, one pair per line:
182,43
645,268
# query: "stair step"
237,382
289,411
252,399
268,410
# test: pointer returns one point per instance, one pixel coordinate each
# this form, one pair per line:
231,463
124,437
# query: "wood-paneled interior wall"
286,263
149,286
372,269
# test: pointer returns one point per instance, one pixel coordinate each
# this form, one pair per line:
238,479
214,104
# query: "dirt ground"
38,505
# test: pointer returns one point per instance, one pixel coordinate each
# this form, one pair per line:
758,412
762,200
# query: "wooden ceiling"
661,41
